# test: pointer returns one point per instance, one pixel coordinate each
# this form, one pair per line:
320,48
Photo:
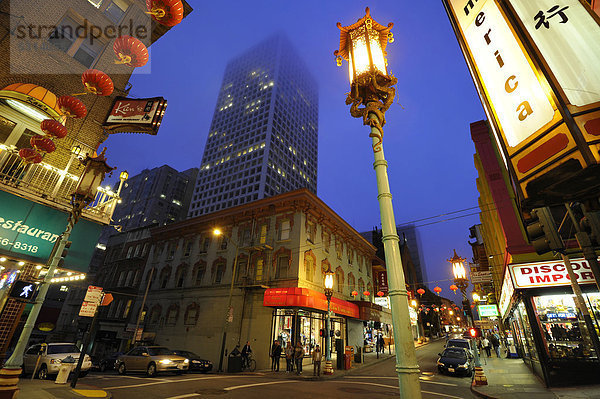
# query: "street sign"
485,324
23,290
93,294
481,277
88,309
488,311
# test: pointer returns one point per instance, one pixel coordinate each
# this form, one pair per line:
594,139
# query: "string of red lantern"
42,144
71,107
130,51
453,287
96,82
420,291
29,155
380,293
366,293
354,293
438,290
165,12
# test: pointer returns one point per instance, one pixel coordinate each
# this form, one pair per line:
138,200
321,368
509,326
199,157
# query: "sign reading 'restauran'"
549,274
519,101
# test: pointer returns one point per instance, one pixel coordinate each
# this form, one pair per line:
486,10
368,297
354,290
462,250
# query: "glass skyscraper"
263,136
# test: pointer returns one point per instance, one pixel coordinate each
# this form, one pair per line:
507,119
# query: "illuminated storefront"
538,306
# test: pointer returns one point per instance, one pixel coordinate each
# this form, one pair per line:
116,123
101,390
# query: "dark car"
196,363
108,362
460,343
458,361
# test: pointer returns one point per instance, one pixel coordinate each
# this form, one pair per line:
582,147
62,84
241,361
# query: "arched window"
172,315
309,265
361,286
218,270
181,275
351,282
282,263
191,314
242,268
199,272
155,315
339,279
165,274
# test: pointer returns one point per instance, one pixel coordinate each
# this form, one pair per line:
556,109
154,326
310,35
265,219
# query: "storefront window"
564,332
525,330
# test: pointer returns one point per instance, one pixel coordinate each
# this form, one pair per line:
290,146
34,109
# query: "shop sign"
567,36
488,311
383,301
307,298
520,103
382,283
550,274
143,115
28,230
506,294
481,277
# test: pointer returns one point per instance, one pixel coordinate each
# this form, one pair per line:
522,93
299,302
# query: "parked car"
458,361
196,363
460,343
108,362
51,356
151,360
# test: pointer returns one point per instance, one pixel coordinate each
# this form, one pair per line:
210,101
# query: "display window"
564,332
303,324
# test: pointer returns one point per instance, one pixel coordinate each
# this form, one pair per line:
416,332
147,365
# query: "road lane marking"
174,381
258,384
189,395
442,394
422,379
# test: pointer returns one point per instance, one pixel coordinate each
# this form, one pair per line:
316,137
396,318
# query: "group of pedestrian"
294,355
491,340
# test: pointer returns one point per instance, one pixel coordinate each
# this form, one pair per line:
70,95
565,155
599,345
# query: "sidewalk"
38,389
307,368
511,378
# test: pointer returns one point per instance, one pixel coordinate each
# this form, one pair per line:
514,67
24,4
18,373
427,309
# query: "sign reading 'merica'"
548,274
29,230
516,95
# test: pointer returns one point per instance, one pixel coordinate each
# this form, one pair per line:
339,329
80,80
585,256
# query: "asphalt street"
374,381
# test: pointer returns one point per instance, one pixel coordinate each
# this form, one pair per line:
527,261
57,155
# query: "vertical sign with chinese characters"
382,283
519,101
568,39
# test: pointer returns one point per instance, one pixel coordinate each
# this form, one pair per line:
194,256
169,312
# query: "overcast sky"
427,141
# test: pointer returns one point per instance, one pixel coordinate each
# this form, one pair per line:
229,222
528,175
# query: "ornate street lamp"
363,45
462,282
85,192
328,294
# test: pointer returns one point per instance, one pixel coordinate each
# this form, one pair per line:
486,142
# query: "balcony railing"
50,186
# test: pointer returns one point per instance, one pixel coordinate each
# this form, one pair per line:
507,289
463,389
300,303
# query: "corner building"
263,136
282,246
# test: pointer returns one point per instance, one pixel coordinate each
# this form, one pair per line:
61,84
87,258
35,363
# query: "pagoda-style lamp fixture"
91,178
328,289
371,94
460,274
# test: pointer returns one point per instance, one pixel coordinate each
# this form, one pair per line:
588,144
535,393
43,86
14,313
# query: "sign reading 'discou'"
548,274
517,97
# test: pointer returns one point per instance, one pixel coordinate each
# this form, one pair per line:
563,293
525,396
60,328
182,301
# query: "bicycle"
248,364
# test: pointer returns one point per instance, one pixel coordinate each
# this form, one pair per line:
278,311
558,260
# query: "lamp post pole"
328,369
229,310
372,88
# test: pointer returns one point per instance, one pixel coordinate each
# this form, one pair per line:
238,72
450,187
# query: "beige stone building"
282,244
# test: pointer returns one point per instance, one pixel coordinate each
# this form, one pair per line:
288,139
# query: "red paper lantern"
165,12
438,289
420,291
97,82
72,107
53,128
29,155
354,293
366,293
42,144
380,293
453,287
130,51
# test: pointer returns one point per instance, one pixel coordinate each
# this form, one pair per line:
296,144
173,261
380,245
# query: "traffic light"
541,231
64,253
322,332
475,332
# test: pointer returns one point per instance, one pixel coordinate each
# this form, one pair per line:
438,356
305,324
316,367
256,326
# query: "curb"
481,394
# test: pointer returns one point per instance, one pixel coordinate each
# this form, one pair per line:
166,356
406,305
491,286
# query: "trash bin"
66,366
234,364
347,362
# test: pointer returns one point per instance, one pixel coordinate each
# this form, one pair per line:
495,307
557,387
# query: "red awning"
307,298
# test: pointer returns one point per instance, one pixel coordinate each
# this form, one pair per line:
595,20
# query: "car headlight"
165,361
186,361
55,361
195,361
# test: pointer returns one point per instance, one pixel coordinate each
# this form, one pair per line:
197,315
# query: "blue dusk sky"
427,140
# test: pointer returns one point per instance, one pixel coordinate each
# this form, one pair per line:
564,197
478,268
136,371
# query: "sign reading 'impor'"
548,274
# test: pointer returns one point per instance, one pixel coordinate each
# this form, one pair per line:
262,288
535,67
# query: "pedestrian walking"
298,357
495,339
275,354
289,357
316,357
485,343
